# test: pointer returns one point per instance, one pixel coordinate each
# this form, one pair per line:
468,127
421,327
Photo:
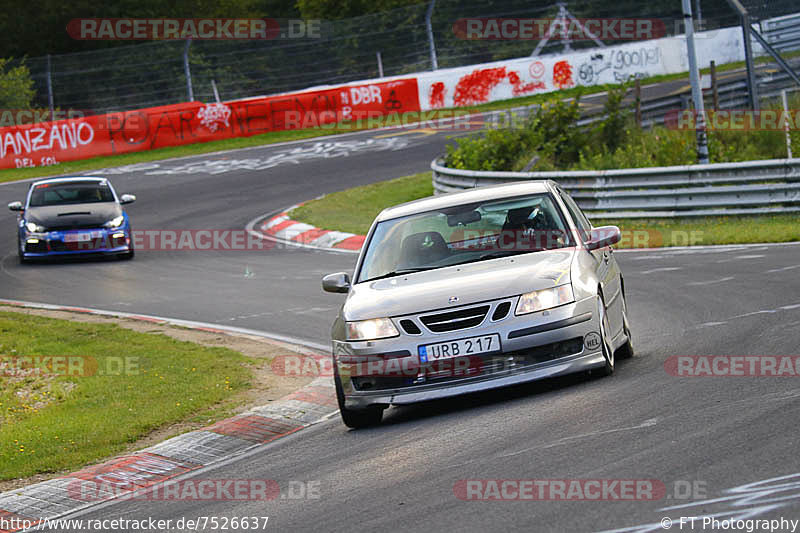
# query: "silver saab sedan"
475,290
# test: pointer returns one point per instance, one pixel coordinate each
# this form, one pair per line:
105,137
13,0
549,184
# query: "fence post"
214,88
50,90
697,92
786,124
714,86
429,29
187,71
380,64
699,15
752,82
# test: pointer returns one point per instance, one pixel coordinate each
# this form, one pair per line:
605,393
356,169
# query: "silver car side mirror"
338,282
15,206
602,237
127,199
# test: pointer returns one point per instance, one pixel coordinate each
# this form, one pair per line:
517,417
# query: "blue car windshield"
74,192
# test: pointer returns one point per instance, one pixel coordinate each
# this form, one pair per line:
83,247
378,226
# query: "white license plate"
77,237
82,237
459,348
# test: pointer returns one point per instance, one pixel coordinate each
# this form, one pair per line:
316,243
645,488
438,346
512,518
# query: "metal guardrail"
783,33
750,187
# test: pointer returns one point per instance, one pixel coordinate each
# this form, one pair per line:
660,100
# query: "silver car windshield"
464,234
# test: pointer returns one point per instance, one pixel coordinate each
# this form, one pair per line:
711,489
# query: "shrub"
553,134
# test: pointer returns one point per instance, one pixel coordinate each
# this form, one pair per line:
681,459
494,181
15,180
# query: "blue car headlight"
33,227
114,222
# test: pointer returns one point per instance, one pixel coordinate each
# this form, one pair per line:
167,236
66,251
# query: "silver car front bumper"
517,334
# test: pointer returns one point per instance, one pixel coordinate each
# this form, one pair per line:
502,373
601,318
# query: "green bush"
498,149
16,86
654,148
552,133
553,136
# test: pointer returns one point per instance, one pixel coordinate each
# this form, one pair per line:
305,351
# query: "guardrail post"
637,91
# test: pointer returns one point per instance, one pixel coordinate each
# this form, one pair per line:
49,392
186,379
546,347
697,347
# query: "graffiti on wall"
477,84
621,64
476,87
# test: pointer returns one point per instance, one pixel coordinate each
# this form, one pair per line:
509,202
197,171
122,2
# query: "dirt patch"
266,386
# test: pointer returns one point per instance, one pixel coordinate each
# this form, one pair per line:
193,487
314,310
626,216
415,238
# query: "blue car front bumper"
75,242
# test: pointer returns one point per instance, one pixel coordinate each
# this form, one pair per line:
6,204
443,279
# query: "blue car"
72,217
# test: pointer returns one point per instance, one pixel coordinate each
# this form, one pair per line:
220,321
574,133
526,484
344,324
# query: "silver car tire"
626,350
608,353
356,418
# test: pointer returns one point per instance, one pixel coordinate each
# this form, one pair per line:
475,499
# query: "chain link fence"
393,43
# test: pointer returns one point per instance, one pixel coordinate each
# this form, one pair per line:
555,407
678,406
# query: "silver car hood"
470,283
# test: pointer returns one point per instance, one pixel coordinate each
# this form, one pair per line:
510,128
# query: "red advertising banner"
49,143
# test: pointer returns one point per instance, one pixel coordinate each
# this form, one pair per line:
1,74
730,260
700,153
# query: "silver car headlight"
544,299
114,222
375,328
33,227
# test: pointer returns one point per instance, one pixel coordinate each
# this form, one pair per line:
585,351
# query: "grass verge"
121,386
353,210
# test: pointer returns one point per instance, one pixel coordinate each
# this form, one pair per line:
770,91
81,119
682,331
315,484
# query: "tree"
16,86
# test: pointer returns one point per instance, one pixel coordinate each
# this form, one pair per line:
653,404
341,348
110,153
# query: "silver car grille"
455,320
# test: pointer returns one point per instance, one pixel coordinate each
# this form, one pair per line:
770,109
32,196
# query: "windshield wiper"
497,255
506,253
400,272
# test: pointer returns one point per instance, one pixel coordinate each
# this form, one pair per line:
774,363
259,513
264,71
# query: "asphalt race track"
715,435
273,290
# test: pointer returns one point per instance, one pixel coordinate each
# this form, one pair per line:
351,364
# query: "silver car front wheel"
608,353
626,350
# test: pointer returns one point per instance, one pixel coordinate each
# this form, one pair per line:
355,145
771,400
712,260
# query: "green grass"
690,231
58,421
283,136
353,210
